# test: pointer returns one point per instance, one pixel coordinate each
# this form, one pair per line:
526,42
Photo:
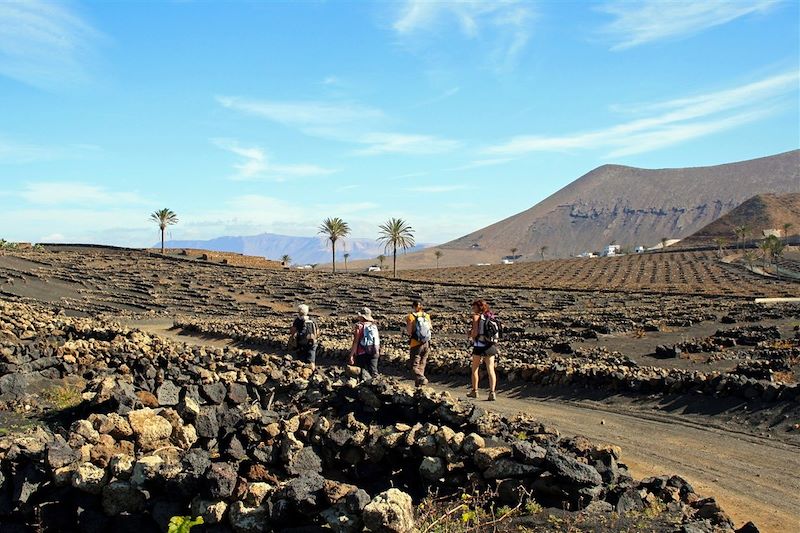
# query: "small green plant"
654,509
183,524
63,396
522,436
533,507
504,510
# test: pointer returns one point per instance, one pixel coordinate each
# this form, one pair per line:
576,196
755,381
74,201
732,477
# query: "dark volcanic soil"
739,447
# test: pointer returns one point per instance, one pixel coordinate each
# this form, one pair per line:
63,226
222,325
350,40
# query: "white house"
611,250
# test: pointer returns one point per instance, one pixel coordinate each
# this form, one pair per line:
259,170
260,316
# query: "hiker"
484,335
304,332
418,328
366,344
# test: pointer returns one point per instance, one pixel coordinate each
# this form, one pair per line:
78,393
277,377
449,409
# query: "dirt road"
752,477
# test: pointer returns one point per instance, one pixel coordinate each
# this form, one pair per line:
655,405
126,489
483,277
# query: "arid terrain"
666,355
615,204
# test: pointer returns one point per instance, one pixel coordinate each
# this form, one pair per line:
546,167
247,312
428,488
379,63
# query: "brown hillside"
761,212
623,205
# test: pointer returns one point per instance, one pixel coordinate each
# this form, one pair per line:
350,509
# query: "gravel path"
753,478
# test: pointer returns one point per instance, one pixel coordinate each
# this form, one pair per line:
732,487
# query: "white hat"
366,314
302,310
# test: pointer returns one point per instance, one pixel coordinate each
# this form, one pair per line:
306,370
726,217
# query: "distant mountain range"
302,250
615,204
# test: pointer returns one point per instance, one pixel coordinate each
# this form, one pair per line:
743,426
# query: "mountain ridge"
619,204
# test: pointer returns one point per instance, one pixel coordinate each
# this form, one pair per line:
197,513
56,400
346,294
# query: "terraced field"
680,272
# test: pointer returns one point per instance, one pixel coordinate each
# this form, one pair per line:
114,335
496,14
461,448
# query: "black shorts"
485,351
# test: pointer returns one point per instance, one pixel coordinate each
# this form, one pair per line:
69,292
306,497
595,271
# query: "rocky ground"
255,442
728,360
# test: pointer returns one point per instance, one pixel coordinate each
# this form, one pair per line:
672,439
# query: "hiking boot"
472,394
492,397
422,381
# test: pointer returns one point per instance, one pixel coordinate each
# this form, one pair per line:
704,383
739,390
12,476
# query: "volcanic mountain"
758,214
615,204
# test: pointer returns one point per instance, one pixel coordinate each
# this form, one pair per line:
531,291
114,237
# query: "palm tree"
345,261
438,254
542,250
766,250
286,259
750,258
381,260
738,231
334,229
513,253
786,227
165,217
720,242
396,232
776,250
664,242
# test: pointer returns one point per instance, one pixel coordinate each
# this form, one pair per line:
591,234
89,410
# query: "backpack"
490,329
422,328
307,335
370,341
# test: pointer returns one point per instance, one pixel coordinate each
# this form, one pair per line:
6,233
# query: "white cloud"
399,143
15,152
256,164
343,122
52,237
479,163
44,43
438,98
504,24
312,117
669,122
434,189
71,193
645,21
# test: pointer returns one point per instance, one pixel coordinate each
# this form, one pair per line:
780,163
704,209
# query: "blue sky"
247,117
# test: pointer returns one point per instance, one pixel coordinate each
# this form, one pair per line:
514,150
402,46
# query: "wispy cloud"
44,44
669,122
66,193
438,98
480,163
400,143
645,21
344,122
504,24
435,189
255,164
15,152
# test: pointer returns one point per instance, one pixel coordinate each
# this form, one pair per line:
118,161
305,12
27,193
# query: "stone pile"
525,360
255,442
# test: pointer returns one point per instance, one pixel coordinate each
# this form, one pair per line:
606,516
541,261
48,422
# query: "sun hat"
366,314
302,310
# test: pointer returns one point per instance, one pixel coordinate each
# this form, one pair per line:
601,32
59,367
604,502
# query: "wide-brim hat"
366,314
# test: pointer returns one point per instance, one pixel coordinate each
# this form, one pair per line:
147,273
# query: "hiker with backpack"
304,332
484,334
418,328
366,346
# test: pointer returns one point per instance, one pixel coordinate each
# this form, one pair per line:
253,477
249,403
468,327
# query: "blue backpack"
422,328
370,340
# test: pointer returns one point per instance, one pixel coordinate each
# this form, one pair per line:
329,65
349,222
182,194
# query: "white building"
611,250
